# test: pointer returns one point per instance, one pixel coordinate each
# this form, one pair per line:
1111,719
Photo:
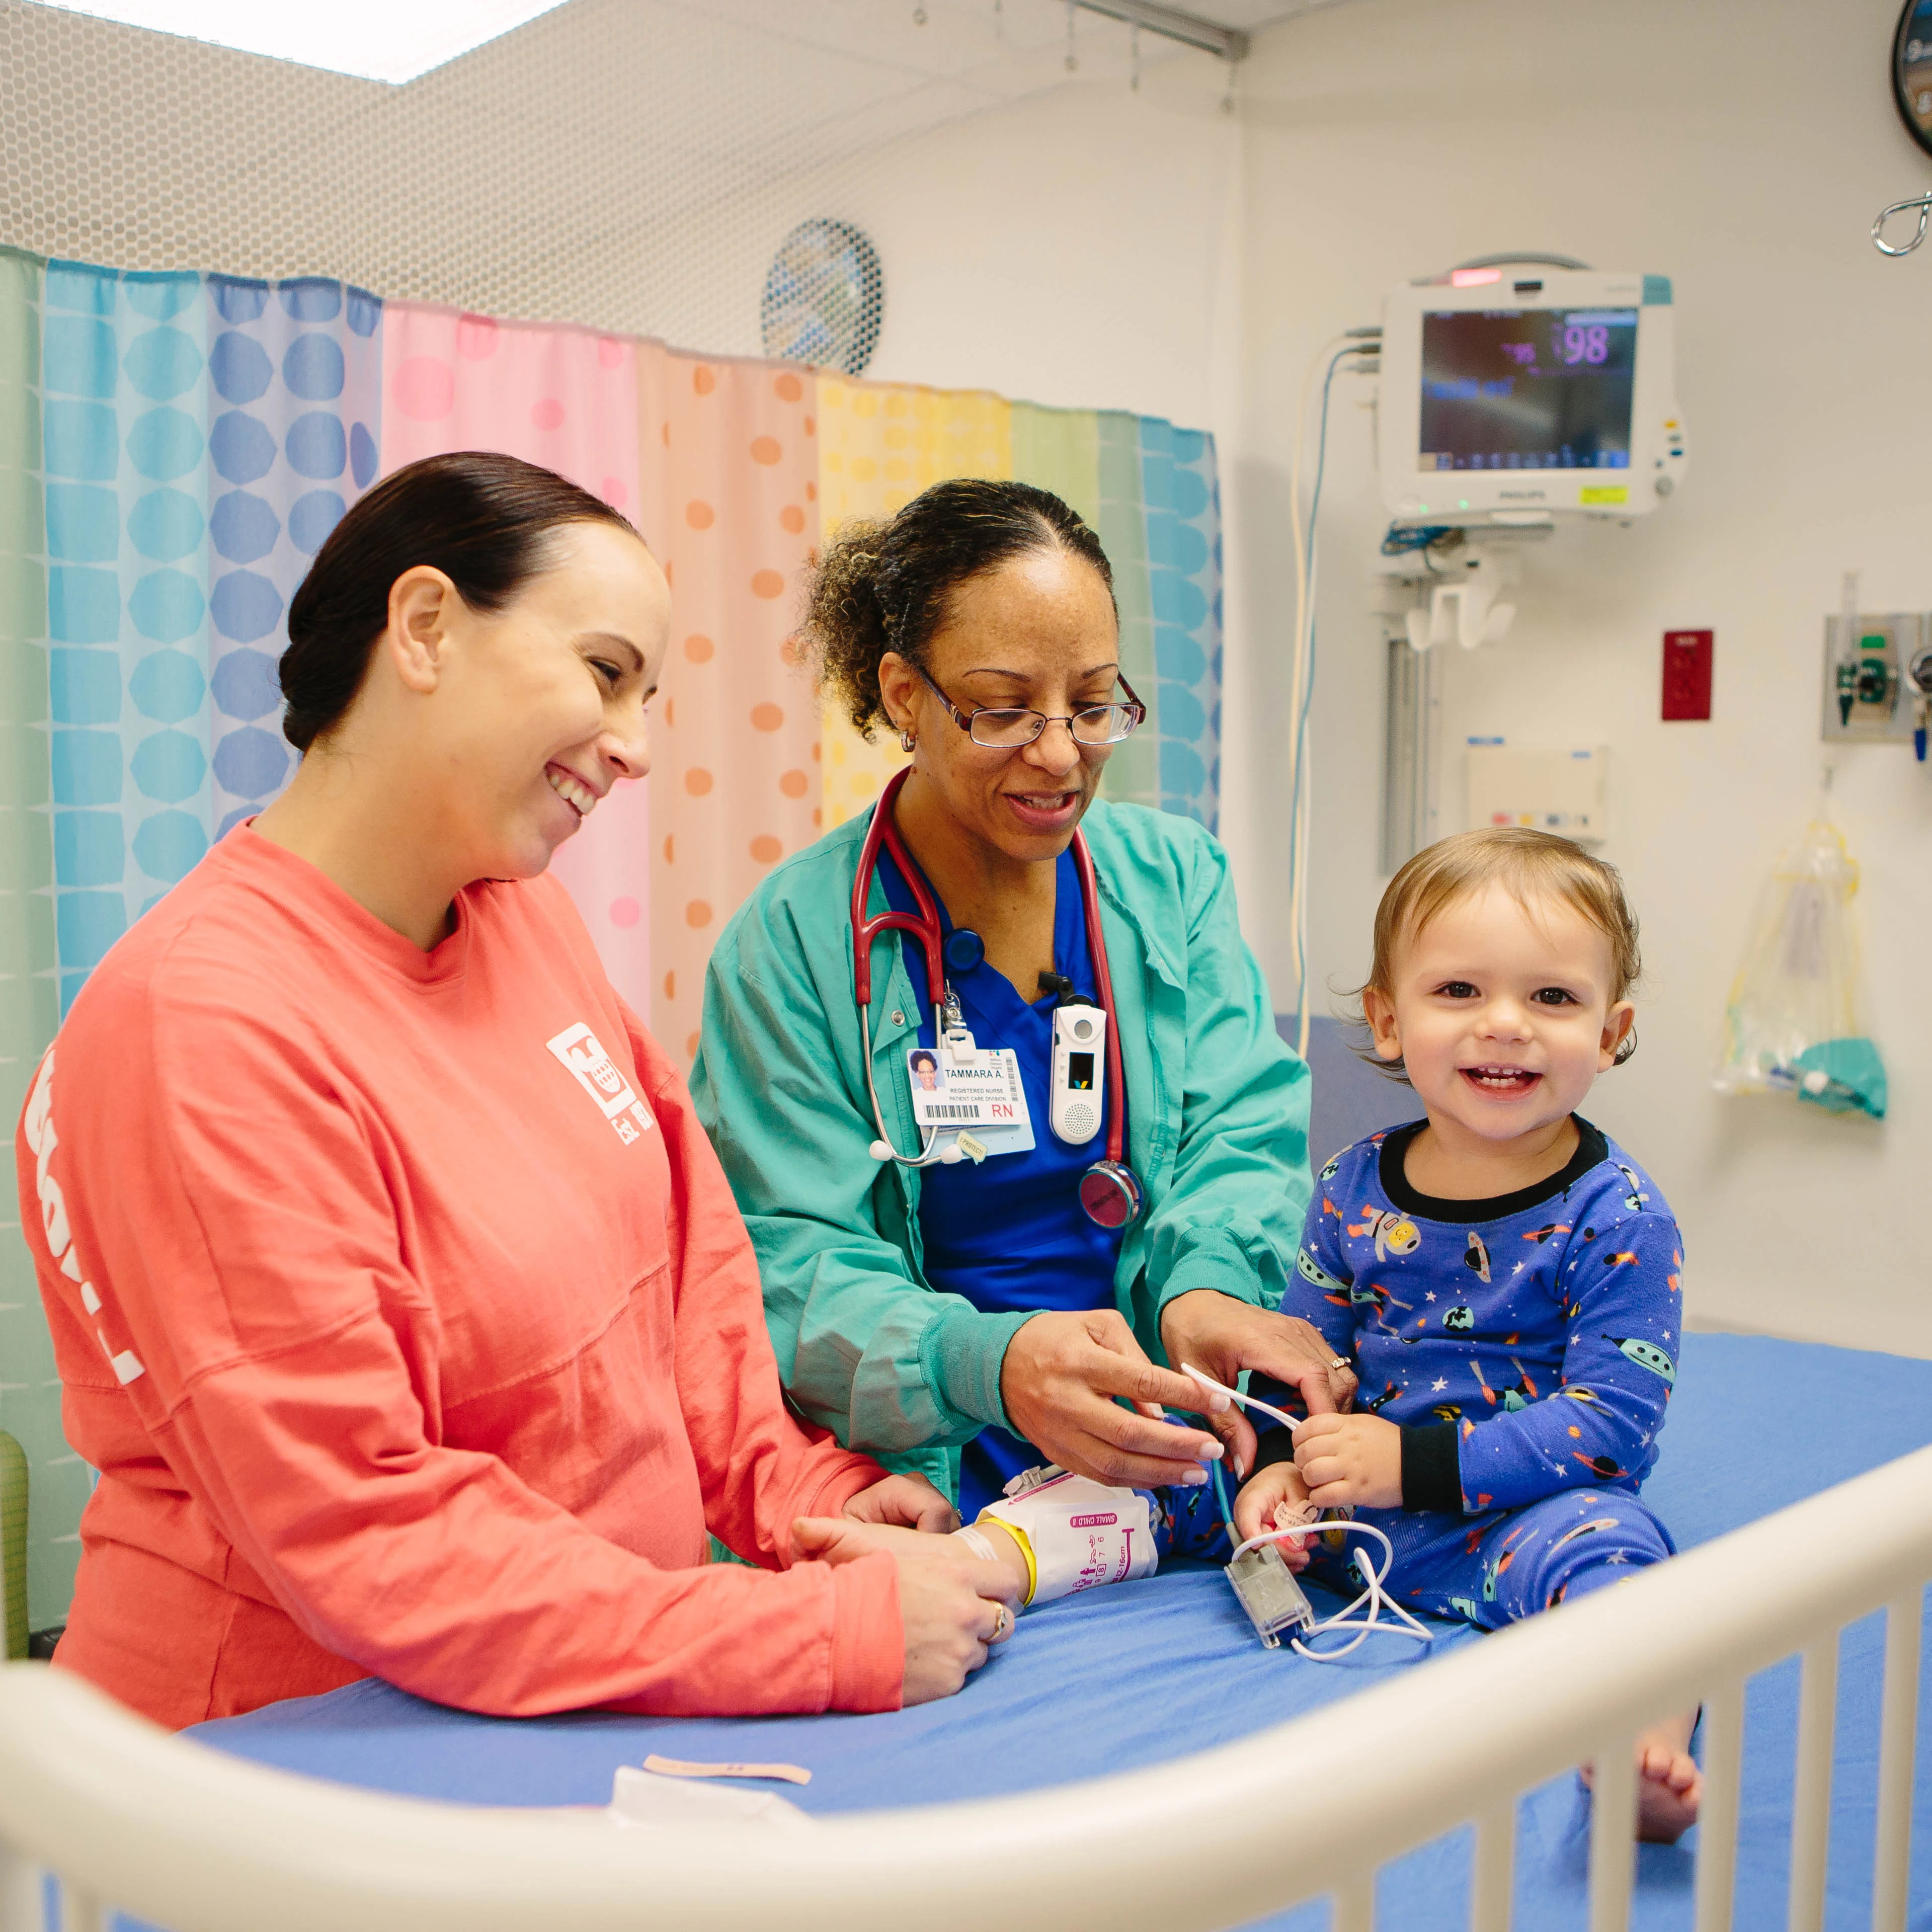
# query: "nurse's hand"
910,1500
1222,1335
953,1604
1062,1381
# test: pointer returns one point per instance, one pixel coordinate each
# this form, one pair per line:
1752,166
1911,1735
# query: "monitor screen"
1080,1072
1527,388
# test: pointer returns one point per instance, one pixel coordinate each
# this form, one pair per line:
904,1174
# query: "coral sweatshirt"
400,1302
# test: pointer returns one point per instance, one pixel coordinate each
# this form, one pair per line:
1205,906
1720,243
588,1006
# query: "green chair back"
14,1545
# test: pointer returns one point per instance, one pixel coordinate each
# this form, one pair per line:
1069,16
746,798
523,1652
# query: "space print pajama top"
1526,1345
399,1299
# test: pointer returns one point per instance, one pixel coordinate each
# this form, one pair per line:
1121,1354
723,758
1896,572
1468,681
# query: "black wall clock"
1911,70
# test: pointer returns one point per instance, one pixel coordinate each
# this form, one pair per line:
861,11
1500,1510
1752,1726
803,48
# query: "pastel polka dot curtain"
189,440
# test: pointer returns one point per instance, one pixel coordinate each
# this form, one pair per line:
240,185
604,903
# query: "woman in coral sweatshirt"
397,1294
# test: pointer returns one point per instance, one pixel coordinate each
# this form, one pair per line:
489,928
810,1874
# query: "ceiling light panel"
374,40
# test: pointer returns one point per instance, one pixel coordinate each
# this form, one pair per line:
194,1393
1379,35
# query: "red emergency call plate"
1687,674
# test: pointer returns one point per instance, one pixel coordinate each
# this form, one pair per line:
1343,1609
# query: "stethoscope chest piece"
1110,1194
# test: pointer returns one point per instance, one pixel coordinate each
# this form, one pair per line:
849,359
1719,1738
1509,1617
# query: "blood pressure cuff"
1075,1534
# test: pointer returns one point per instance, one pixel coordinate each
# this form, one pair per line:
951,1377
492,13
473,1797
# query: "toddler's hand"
1275,1498
1353,1459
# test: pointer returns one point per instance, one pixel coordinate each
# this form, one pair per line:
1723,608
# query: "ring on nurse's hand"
1338,1362
1003,1618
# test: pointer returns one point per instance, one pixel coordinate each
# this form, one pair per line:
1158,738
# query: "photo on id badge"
928,1076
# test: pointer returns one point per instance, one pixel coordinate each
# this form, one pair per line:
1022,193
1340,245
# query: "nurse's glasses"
1005,729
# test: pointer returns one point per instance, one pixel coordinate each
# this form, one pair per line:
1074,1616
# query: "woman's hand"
1348,1460
910,1502
953,1604
1062,1373
1276,1498
1222,1335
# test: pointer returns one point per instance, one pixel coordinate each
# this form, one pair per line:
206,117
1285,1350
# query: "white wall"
1069,250
1743,152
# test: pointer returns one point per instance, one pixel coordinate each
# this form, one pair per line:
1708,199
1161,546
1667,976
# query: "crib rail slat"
1355,1905
1811,1793
1613,1834
1492,1877
1717,1820
1903,1616
80,1912
19,1892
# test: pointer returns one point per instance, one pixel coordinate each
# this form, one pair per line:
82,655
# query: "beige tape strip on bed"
678,1767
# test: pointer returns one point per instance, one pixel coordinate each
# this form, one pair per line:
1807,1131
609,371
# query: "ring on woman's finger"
1339,1362
1003,1622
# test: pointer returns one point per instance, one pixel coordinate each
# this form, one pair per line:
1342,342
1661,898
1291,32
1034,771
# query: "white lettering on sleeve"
38,1125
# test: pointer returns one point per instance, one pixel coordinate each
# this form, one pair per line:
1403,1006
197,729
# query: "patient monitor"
1518,395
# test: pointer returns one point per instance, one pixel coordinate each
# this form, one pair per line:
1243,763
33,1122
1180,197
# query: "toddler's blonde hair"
1528,865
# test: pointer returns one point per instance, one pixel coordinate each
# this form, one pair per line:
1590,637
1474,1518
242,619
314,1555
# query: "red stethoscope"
1110,1191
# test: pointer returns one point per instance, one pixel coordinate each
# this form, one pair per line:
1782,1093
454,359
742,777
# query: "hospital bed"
1134,1758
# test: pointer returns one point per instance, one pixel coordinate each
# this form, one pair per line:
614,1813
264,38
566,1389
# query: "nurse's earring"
907,741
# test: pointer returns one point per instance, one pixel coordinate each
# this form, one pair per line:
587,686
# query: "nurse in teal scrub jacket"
970,1318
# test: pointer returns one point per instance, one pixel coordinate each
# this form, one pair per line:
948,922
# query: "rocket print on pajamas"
1543,1328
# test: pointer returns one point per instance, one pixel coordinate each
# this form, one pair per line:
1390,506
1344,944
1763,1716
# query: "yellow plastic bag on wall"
1790,1026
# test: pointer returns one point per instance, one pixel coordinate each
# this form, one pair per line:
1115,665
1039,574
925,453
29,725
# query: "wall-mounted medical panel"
1561,791
1863,698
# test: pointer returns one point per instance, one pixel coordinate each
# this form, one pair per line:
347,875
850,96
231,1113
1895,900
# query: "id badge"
979,1090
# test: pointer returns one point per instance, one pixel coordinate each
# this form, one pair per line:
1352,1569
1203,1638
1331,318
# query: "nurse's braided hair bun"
887,585
483,520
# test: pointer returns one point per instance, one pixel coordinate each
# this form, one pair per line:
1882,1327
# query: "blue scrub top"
1010,1234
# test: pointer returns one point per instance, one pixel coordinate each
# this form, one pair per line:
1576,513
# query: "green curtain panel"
29,984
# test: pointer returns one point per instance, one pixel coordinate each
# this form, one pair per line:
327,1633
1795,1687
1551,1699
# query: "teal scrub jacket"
1217,1114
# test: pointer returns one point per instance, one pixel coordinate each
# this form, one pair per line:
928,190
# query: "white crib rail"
193,1840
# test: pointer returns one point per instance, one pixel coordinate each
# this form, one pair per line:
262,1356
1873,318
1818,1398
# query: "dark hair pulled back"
888,586
483,520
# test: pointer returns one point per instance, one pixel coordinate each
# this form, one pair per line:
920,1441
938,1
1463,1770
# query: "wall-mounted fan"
824,298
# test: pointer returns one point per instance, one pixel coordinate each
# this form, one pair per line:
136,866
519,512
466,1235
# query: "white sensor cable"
1207,1382
1373,1594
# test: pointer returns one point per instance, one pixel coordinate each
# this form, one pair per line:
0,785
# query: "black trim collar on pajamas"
1592,1150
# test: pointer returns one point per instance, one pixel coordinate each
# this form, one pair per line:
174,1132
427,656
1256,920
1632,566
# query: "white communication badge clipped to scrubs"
1079,1045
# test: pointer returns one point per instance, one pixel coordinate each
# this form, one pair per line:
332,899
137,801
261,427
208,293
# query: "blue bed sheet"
1182,1672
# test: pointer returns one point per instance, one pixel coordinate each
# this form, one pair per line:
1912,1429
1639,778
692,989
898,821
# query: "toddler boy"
1504,1278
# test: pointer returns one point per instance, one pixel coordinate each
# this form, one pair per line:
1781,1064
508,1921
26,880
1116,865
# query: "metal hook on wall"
1923,203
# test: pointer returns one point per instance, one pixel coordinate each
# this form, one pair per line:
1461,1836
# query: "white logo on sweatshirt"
41,1142
598,1075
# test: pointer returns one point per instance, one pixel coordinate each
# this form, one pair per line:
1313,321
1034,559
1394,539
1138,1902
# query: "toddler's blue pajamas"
1526,1345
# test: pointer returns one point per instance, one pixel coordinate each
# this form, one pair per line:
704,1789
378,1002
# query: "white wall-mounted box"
1558,791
